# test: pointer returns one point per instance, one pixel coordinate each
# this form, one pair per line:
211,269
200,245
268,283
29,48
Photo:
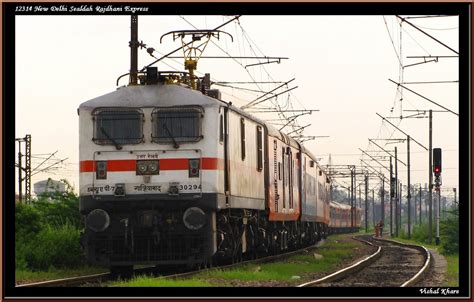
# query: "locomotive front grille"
179,248
150,236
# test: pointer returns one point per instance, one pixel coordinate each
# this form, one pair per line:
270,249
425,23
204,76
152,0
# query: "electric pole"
382,198
26,168
409,189
416,209
421,206
20,167
392,193
134,44
400,207
373,206
366,208
438,210
352,196
396,194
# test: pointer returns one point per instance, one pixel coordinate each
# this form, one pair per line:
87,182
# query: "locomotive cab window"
172,125
118,127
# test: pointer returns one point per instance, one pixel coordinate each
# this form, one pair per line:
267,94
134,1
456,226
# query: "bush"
420,232
53,247
47,232
449,233
28,221
57,212
59,208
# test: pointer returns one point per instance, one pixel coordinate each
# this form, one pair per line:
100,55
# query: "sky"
341,65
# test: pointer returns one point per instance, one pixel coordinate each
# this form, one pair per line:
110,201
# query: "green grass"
255,272
452,276
333,253
26,276
150,281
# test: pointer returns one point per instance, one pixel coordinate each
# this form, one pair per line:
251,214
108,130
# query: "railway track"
394,264
72,281
100,279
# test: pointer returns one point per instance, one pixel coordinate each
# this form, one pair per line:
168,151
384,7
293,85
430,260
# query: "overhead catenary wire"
414,26
425,98
281,112
402,132
391,39
249,40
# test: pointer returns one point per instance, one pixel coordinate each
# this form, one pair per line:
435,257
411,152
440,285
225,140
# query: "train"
172,175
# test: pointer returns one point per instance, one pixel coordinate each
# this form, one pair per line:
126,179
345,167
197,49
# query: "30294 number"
189,187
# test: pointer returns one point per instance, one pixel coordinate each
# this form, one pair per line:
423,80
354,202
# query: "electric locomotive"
171,175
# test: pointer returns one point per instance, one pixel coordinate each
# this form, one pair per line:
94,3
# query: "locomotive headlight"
141,167
148,167
153,167
194,218
98,220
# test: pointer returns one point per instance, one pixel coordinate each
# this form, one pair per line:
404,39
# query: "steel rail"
420,274
67,281
348,270
341,274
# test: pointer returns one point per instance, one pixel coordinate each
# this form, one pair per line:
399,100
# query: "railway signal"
437,185
437,167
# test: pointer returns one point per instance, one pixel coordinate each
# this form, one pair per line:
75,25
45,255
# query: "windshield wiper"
170,135
117,146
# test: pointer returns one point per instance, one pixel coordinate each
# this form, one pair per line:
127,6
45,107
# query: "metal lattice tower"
28,168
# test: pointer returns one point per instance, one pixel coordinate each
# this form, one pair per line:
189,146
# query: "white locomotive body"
150,166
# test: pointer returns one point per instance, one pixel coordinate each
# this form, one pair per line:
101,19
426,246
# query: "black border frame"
300,8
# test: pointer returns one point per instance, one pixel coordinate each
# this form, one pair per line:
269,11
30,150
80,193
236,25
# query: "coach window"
118,127
259,148
174,125
242,137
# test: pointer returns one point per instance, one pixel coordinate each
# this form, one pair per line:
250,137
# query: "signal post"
437,184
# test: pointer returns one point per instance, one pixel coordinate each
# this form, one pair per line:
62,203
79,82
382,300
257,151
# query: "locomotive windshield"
171,125
118,127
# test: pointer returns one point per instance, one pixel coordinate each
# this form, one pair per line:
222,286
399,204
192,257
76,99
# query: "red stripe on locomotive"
166,164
